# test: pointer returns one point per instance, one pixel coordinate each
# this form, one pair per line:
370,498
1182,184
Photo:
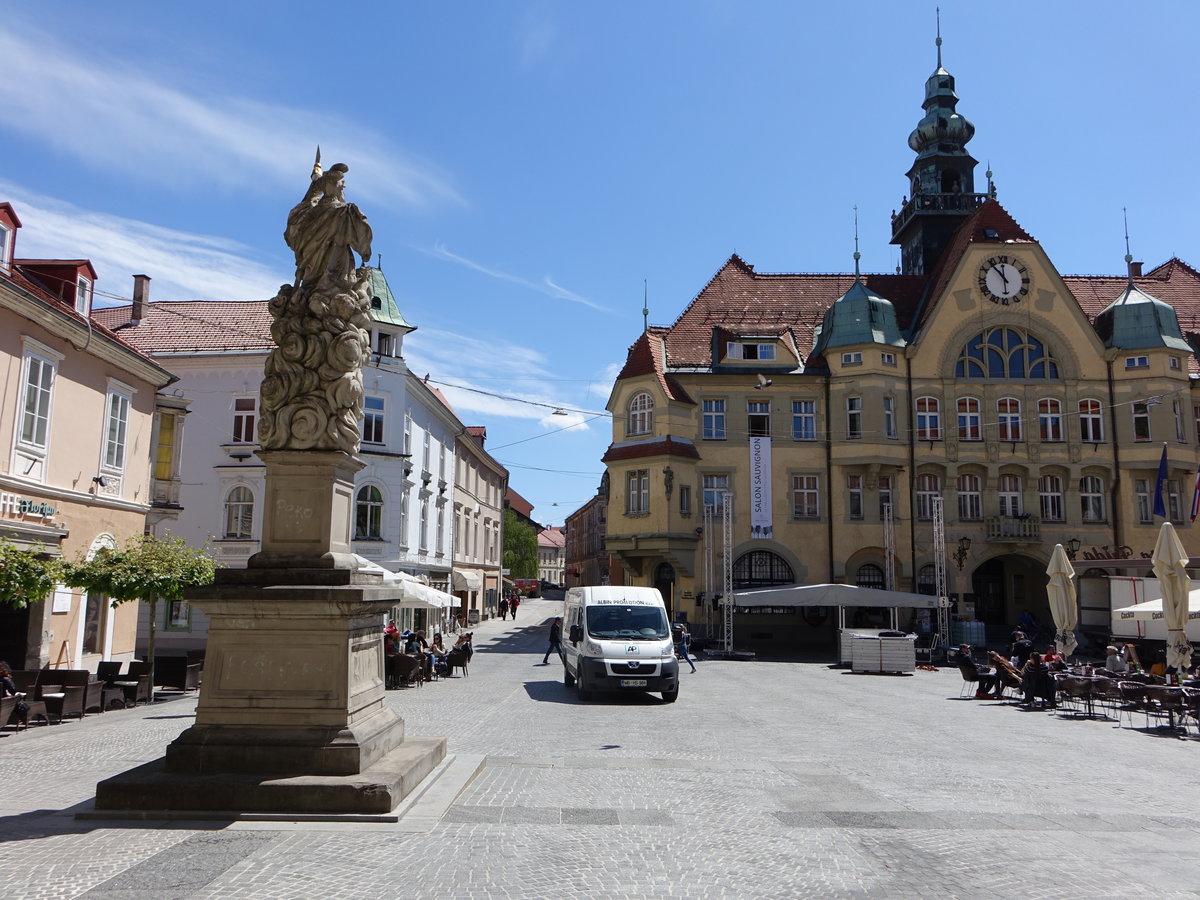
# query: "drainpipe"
1114,490
829,470
912,473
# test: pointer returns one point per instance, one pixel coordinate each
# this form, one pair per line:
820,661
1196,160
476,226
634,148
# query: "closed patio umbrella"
1061,592
1169,562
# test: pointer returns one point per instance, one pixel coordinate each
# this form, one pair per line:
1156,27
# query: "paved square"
763,780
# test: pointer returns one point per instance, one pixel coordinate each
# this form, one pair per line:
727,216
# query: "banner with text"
760,488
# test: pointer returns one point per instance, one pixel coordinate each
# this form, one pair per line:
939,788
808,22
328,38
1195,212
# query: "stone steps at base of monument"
151,792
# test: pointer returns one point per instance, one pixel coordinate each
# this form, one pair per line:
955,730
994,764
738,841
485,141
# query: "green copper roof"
1136,321
859,316
383,303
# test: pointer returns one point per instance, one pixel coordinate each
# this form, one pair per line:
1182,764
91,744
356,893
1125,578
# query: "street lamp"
1073,547
964,548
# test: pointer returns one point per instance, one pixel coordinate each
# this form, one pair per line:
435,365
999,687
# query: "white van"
618,639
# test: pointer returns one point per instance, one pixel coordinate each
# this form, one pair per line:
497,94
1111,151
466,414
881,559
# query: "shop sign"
14,505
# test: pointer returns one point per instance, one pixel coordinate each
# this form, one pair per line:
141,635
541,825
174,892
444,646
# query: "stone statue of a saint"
323,229
312,390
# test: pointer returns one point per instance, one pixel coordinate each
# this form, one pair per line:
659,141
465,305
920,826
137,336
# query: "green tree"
26,576
520,547
146,568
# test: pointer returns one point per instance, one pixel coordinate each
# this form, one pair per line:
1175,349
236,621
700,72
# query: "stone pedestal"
291,715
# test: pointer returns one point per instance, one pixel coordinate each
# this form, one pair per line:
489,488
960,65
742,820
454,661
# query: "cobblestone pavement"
764,780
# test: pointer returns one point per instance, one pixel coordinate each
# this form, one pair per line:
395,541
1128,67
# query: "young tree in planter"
147,568
26,576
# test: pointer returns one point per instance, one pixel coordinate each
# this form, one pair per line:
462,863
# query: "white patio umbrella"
1061,592
1169,562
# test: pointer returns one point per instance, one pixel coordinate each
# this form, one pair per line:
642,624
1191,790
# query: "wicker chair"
402,669
1133,700
456,659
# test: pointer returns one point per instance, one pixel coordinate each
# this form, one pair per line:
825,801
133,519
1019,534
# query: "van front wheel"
670,696
584,693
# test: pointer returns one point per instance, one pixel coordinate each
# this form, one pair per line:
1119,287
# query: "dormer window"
749,350
83,296
6,247
852,359
385,344
1137,362
1175,362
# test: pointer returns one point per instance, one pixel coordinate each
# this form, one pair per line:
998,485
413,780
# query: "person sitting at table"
464,644
1115,661
438,653
985,680
1159,666
1021,647
1036,683
1006,673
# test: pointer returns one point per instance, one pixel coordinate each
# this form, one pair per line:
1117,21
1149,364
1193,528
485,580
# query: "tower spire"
857,255
1128,255
939,36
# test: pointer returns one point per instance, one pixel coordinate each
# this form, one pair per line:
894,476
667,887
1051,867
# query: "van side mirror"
576,634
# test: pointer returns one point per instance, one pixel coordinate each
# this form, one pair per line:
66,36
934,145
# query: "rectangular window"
1050,496
970,498
852,359
929,419
164,451
854,489
6,246
1145,511
244,419
758,419
885,496
1174,363
404,518
804,420
83,296
1008,417
423,536
805,497
1174,507
1011,502
888,359
1091,425
441,529
968,420
1091,498
889,417
1141,421
638,488
385,344
685,499
929,488
372,426
35,417
1177,409
853,418
178,616
115,433
1137,362
715,487
739,350
714,420
408,430
1050,420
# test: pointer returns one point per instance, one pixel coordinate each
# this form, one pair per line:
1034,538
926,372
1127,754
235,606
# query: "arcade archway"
1004,587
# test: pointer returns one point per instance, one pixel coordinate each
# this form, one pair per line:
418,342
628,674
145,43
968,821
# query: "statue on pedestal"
312,389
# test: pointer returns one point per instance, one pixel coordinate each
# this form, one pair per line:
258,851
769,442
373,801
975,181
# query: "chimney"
141,297
1135,269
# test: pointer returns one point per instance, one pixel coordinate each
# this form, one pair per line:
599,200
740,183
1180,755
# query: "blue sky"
526,166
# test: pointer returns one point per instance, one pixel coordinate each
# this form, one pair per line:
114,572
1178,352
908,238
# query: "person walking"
512,607
682,639
504,607
555,640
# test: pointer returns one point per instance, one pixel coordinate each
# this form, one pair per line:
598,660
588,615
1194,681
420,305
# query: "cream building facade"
836,412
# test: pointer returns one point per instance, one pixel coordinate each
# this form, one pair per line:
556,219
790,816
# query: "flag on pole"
1196,498
1160,508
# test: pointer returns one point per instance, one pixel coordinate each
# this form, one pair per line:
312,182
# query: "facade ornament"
312,389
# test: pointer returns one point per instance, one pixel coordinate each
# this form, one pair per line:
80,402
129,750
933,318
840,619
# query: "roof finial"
645,306
939,35
857,255
1128,255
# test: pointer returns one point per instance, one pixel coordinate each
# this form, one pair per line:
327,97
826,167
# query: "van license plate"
633,682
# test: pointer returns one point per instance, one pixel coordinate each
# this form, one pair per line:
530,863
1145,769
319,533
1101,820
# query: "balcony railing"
1015,529
948,203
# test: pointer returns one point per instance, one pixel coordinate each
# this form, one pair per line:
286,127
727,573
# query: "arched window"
869,575
641,414
239,514
927,581
368,514
1000,353
761,568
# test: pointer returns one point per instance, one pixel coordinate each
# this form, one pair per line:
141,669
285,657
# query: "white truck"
618,639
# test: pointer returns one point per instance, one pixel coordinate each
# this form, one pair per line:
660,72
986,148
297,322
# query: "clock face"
1004,279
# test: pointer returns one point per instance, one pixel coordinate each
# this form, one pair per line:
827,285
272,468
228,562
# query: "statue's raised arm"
324,231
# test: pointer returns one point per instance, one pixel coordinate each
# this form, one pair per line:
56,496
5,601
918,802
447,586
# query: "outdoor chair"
1133,700
8,712
403,669
43,685
1191,702
1166,702
108,671
136,683
1108,693
456,659
1075,694
93,690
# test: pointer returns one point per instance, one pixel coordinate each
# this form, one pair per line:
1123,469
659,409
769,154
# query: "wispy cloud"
126,120
602,387
183,266
536,37
546,286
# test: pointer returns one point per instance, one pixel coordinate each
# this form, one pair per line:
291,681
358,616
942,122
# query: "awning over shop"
467,580
834,595
411,592
1153,609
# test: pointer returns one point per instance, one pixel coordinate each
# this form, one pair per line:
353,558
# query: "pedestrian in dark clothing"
984,681
503,608
682,640
516,601
1021,647
555,640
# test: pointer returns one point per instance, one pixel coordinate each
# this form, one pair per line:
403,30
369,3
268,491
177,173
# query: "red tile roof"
518,503
194,325
551,537
665,447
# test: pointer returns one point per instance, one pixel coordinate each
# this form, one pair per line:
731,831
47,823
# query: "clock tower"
941,180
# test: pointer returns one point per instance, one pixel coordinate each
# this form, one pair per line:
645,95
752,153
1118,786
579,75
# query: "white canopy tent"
839,595
1153,609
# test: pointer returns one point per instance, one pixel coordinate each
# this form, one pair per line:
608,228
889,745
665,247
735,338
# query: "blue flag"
1160,508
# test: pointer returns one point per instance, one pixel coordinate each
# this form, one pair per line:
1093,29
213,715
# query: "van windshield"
621,623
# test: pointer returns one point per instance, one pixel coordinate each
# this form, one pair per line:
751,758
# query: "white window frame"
366,502
758,418
1177,410
1140,411
233,512
48,360
1141,493
854,411
1010,494
970,498
889,417
853,358
83,295
1137,362
714,486
641,414
637,484
929,418
1050,420
114,450
1008,419
714,420
6,247
854,496
245,420
1091,421
1091,498
806,496
888,359
1050,498
969,427
928,486
804,420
